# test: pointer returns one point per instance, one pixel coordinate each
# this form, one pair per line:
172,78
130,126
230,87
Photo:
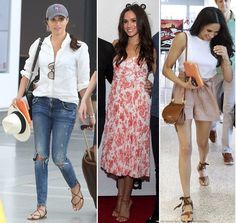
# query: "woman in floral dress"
126,139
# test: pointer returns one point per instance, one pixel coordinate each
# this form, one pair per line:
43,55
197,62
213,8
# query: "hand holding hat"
21,105
16,123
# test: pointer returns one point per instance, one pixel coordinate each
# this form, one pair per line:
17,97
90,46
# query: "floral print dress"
126,138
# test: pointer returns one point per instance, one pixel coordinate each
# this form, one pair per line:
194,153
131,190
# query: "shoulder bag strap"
34,63
186,56
186,52
186,49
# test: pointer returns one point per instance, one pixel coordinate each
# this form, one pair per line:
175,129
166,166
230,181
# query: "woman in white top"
209,45
64,71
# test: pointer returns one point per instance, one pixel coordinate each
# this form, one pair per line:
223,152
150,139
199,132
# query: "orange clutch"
191,70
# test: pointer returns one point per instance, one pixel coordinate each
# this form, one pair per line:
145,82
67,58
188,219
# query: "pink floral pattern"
126,138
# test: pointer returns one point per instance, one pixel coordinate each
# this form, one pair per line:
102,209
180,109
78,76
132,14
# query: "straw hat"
16,124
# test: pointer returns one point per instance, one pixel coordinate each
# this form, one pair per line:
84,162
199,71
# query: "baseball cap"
56,10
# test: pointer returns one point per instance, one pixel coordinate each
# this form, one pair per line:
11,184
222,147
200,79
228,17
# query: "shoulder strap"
186,49
34,62
186,56
186,53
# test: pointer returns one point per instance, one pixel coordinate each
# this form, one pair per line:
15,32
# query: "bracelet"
91,116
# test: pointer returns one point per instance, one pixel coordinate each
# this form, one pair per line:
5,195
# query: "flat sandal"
38,214
80,201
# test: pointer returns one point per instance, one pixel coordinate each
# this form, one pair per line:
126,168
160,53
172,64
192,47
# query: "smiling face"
209,31
223,5
130,24
57,25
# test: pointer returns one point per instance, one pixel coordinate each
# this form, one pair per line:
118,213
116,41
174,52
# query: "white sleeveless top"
199,52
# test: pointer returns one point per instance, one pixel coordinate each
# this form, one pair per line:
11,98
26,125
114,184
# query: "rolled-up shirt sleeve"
83,67
29,62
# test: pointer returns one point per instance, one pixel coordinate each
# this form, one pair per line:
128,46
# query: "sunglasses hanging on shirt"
51,73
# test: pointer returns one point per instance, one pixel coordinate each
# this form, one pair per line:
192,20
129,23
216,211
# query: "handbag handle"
83,127
34,63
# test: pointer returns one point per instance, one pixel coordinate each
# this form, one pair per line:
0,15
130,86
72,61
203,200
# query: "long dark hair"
145,43
74,44
210,15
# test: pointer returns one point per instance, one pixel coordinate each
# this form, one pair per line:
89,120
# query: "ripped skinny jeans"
53,122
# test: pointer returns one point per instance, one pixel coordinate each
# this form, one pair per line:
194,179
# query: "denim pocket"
34,100
69,106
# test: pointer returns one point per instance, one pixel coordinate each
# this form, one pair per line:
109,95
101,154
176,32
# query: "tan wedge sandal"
187,215
204,180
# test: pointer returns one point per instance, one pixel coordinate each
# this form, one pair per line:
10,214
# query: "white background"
109,12
9,80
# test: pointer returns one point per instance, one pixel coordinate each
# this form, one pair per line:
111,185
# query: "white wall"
107,23
9,80
108,12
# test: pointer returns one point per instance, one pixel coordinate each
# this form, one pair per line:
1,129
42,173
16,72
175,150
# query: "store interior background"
185,10
208,201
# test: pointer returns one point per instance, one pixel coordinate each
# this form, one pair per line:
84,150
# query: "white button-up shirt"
72,72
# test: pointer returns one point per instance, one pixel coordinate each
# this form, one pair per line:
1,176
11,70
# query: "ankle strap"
184,201
126,200
202,166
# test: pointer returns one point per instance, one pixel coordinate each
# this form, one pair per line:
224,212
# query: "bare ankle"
75,188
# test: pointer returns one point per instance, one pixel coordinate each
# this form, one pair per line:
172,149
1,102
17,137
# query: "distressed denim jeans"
53,122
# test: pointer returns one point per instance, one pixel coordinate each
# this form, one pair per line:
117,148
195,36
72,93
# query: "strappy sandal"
128,203
186,216
204,181
77,200
116,211
38,214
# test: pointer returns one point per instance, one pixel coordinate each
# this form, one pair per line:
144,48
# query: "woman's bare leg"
126,202
202,133
121,187
184,133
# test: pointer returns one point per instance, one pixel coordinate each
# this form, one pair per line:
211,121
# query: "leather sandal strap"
36,213
202,166
188,213
184,201
124,218
80,199
39,213
77,195
126,200
203,178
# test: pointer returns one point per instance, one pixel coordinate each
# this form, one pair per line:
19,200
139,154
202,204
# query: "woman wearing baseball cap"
64,71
